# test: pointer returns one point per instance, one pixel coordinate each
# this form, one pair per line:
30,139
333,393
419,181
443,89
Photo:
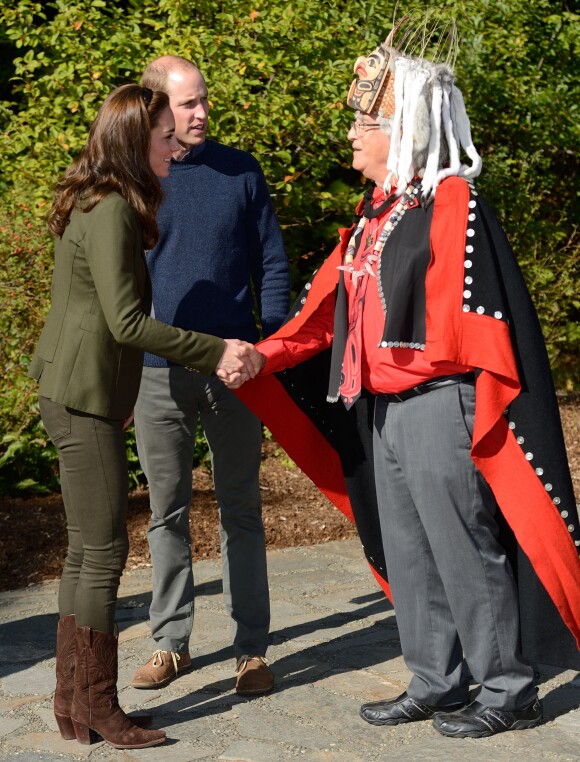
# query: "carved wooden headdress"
407,83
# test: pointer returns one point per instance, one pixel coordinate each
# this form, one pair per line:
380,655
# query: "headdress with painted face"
407,83
373,91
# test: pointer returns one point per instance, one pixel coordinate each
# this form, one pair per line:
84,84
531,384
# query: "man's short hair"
156,73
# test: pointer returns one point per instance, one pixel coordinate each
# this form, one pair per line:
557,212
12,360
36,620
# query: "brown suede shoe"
253,676
162,667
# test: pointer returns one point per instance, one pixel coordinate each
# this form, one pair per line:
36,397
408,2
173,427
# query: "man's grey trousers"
452,585
166,415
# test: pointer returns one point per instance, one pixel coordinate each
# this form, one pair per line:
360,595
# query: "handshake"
239,362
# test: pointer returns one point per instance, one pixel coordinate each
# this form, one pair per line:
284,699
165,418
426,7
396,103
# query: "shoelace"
157,659
243,660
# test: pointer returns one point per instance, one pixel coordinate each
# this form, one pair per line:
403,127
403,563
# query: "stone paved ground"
334,645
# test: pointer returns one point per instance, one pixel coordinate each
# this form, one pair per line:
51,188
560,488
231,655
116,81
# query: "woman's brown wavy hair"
115,158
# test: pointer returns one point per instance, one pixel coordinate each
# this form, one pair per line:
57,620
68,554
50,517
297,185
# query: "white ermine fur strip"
393,159
432,166
454,161
461,121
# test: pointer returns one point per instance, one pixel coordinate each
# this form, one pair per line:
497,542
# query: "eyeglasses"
147,95
359,127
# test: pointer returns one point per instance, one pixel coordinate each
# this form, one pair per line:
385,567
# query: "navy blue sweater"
219,234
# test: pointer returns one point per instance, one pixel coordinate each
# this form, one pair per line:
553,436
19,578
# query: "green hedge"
278,73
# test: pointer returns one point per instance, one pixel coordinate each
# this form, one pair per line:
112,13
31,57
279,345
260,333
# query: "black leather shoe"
478,721
401,709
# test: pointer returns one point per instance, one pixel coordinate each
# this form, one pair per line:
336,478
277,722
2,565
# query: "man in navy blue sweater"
218,237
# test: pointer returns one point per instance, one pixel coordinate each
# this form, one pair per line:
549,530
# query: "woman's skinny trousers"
94,482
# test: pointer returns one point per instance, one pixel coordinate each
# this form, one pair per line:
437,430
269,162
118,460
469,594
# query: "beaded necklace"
395,217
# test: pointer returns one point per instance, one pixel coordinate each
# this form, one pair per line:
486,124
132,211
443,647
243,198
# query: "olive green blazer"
90,353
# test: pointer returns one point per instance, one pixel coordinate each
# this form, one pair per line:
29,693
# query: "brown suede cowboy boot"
65,675
95,707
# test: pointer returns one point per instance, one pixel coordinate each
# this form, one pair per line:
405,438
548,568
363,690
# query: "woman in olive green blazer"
90,353
88,364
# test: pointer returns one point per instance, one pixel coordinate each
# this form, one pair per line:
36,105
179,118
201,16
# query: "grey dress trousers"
454,593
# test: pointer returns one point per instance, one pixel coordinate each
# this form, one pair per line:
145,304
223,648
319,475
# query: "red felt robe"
517,440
